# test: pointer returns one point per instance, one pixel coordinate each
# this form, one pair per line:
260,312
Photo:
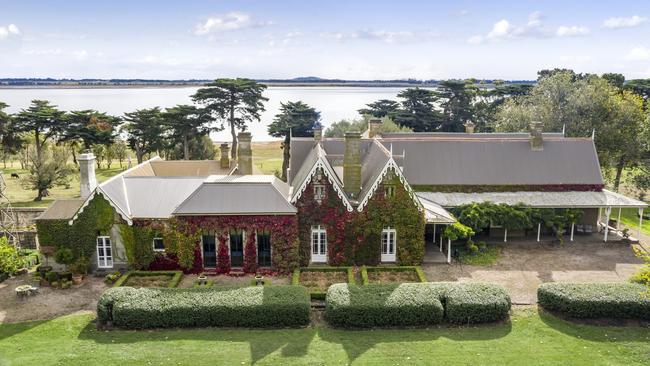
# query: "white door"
104,252
318,244
388,245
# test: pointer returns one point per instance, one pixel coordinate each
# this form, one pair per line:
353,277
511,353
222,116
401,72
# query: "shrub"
415,304
112,277
10,261
51,277
64,256
80,266
260,306
383,305
596,300
470,303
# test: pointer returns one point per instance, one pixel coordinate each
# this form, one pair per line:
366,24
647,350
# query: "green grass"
529,338
267,156
630,218
486,258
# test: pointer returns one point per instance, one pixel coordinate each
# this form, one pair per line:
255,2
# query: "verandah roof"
570,199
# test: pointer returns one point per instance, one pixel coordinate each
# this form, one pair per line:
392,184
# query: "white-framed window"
158,245
319,192
104,252
318,243
388,244
389,191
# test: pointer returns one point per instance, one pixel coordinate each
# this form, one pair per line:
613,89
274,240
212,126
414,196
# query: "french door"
318,244
237,249
209,251
264,250
104,252
388,245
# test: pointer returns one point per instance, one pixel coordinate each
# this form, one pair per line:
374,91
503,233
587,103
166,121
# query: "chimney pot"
352,164
373,127
225,156
87,179
318,132
244,154
469,127
536,140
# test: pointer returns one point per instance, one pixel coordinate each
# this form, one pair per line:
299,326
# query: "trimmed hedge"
471,303
383,305
596,300
417,269
320,295
260,306
415,304
174,280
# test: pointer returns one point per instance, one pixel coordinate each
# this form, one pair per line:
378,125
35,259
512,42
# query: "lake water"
334,103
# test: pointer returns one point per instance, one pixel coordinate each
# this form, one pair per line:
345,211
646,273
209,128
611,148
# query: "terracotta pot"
77,279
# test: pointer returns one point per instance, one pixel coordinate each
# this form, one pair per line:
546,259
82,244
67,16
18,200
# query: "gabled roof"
61,209
238,195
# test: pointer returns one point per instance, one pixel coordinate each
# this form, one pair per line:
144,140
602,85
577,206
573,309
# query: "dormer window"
319,192
389,191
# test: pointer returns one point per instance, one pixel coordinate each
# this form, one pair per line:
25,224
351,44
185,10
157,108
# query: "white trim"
321,231
331,177
105,259
110,202
390,164
153,244
391,234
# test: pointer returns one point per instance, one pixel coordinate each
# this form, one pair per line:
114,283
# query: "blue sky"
333,39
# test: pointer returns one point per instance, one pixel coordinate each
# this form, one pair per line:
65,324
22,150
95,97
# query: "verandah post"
572,226
640,222
539,228
618,221
448,250
505,235
608,211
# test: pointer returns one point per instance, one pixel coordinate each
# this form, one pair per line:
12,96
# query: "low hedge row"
415,304
417,269
175,277
596,300
320,295
260,306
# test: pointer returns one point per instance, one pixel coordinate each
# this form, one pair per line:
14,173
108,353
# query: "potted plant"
202,279
51,277
79,269
259,280
64,256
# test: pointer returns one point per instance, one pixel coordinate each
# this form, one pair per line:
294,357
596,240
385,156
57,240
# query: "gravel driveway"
522,266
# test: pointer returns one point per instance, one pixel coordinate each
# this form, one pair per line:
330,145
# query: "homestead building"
367,198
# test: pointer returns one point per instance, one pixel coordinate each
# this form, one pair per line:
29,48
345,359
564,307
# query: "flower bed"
260,306
393,274
150,279
318,279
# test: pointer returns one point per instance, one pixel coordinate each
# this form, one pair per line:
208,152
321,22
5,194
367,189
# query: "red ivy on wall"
223,253
250,253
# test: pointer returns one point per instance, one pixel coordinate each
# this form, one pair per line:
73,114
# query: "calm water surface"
334,103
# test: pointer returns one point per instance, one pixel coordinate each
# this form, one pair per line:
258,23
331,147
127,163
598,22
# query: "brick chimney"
469,127
87,173
536,140
225,156
352,164
373,127
244,154
318,132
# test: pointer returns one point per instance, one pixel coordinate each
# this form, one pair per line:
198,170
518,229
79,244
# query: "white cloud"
226,23
623,22
638,54
10,30
571,31
534,28
385,36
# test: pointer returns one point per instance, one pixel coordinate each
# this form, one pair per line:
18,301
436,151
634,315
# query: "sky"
329,39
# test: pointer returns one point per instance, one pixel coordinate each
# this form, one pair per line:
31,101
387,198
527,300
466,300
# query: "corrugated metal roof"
61,209
576,199
497,162
372,165
157,197
237,197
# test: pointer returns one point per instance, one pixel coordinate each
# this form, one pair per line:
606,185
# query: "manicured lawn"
630,218
528,339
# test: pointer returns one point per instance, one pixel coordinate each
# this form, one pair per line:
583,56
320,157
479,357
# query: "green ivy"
80,237
138,244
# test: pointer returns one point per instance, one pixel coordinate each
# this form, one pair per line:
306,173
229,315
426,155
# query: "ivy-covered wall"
81,237
354,238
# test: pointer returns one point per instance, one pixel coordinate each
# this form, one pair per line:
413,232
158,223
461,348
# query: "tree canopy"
145,131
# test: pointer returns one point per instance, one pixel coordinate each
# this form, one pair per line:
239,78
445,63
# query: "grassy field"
529,338
267,157
630,218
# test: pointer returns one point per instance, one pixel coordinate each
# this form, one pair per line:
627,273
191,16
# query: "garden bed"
150,279
392,274
318,279
483,257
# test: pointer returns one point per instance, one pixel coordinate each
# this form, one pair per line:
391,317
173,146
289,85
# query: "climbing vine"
250,253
